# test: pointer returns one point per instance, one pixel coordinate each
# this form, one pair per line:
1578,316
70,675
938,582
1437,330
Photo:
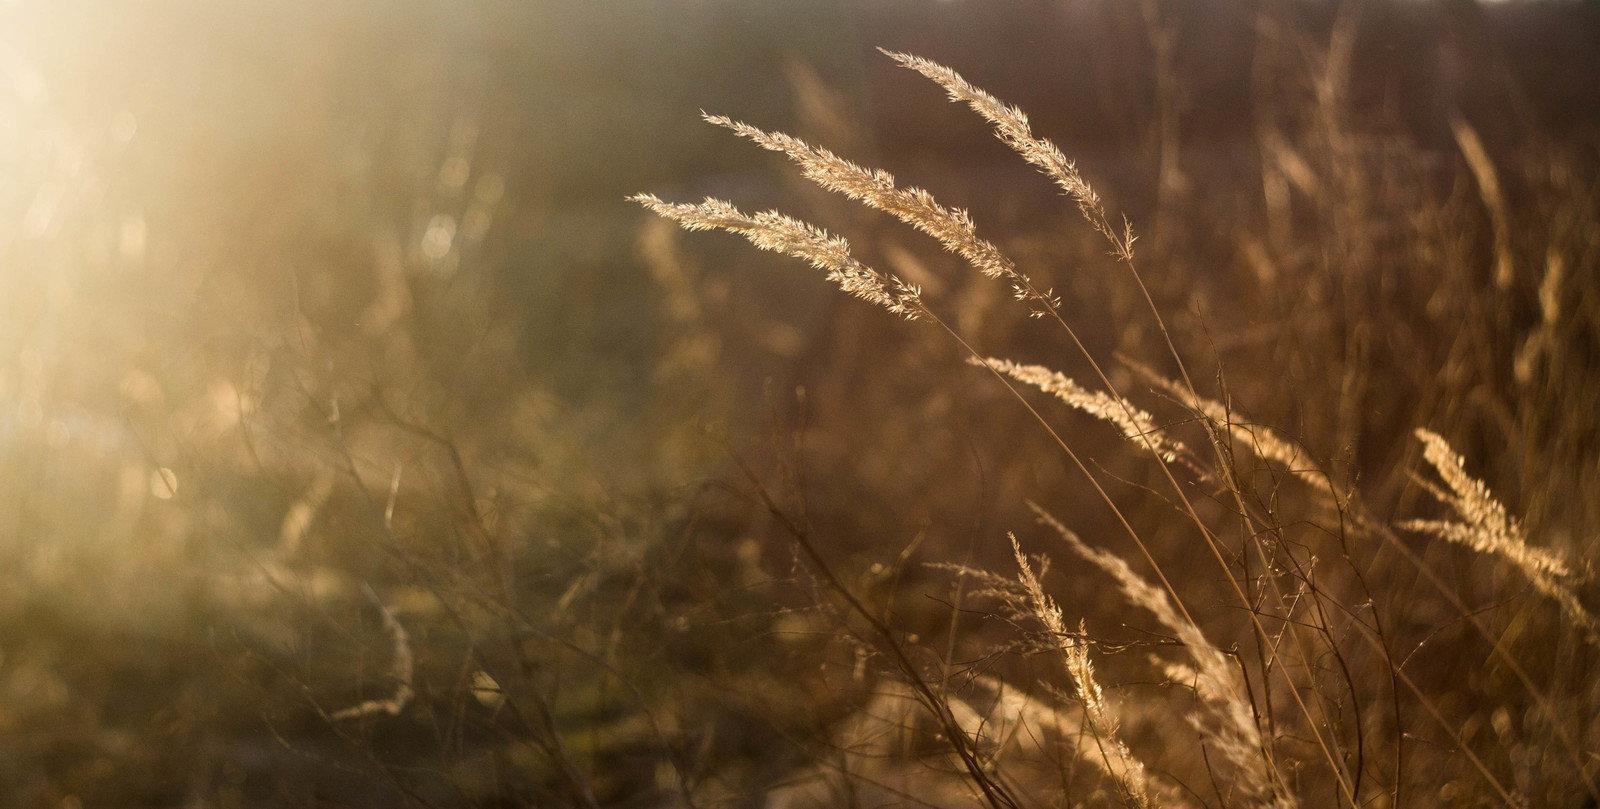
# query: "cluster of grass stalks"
345,459
1286,581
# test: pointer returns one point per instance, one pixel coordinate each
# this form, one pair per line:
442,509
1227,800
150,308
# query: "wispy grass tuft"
1304,689
1231,730
1487,528
1110,753
777,233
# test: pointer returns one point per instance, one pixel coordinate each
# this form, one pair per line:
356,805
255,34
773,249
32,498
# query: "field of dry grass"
1226,435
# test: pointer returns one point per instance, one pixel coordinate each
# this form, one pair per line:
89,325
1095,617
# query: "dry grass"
364,448
1324,674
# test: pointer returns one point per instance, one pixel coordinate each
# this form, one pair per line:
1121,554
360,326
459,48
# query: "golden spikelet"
875,188
1135,424
777,233
1113,756
1011,126
1487,528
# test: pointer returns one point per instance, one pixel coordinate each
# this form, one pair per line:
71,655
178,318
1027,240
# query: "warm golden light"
373,433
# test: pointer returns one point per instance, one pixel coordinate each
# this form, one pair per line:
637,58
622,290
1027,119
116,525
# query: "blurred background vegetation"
303,300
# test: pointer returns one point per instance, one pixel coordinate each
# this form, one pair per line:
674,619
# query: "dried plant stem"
995,793
1126,771
400,669
1220,685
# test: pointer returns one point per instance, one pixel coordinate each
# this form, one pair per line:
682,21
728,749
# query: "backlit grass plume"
1108,751
1011,125
777,233
875,188
1136,424
1487,528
